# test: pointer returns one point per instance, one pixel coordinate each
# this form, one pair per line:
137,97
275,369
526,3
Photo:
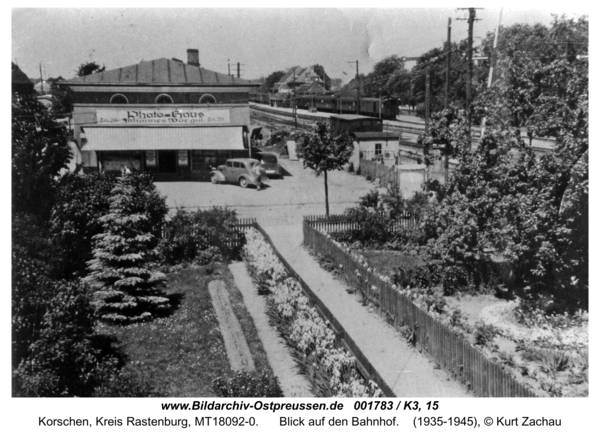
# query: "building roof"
160,72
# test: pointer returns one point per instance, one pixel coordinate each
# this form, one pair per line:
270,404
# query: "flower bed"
549,356
331,371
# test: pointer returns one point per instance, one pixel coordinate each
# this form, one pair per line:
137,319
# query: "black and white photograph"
300,201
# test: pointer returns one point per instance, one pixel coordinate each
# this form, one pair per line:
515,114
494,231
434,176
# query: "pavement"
279,209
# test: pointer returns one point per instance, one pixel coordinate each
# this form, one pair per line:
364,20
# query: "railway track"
307,121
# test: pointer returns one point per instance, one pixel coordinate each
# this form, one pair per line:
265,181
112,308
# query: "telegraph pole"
427,97
448,54
238,70
228,68
447,95
469,73
357,89
295,110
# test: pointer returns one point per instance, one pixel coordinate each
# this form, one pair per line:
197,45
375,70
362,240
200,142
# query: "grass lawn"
182,354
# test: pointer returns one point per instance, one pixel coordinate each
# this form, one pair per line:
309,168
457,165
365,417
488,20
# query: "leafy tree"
323,151
273,78
127,289
320,71
378,81
198,237
90,67
62,104
81,201
39,152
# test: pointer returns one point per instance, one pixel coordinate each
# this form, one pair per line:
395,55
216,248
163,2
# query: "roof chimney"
193,57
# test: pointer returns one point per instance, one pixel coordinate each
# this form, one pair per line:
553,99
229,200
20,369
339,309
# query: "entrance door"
167,161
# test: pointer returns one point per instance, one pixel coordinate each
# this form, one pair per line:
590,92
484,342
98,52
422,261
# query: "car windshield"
269,159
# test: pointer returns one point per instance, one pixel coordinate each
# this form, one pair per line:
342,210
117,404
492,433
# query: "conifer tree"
127,290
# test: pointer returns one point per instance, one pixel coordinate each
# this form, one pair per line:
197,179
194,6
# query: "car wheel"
243,182
214,179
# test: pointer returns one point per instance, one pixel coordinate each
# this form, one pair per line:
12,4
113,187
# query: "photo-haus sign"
171,116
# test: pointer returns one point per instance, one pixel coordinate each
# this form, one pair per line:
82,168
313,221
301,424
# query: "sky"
262,39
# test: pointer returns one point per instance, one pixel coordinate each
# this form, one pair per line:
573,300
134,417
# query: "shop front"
168,142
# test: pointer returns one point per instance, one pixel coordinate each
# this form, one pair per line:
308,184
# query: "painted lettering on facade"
163,116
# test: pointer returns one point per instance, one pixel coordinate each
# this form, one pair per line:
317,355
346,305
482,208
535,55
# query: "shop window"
164,99
208,99
119,99
377,149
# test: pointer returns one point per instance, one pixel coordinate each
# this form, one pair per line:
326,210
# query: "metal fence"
446,347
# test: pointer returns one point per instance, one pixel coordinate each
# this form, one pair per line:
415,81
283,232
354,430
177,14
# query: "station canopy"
163,138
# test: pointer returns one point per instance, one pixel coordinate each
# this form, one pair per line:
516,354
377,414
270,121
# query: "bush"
62,357
127,289
246,385
82,199
200,237
484,334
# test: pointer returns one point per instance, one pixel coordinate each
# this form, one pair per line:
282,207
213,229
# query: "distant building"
165,116
299,78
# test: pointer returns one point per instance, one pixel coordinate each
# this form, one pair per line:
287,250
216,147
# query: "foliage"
331,371
278,137
484,334
56,349
273,78
320,71
39,153
89,67
81,200
62,104
323,151
126,384
247,385
127,289
199,237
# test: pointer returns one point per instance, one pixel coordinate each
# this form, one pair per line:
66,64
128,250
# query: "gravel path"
236,346
292,384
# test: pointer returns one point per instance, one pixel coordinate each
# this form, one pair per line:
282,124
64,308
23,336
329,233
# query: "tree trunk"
326,195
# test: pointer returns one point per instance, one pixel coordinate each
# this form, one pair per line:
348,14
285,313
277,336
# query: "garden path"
292,384
238,352
406,371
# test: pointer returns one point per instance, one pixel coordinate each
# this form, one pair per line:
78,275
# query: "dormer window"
208,99
119,99
164,99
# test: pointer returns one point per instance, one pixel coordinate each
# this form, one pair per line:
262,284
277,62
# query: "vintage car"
238,171
269,162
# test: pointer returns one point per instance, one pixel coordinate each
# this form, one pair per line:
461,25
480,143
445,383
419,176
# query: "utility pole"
447,96
469,73
41,79
294,109
427,97
228,68
448,55
492,64
471,20
357,89
238,70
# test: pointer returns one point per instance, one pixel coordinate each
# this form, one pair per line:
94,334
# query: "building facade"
167,117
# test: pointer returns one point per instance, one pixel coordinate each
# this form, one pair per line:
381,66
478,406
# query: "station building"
168,117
